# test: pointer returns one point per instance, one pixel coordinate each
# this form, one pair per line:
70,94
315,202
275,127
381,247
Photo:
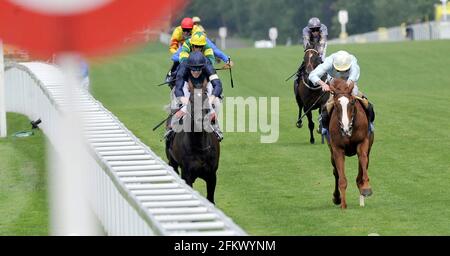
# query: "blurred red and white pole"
2,94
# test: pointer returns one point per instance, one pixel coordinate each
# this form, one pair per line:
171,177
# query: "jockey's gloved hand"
184,100
229,63
211,100
212,116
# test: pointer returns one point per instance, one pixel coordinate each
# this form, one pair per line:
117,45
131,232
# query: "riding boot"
169,131
371,115
172,74
324,121
368,107
168,134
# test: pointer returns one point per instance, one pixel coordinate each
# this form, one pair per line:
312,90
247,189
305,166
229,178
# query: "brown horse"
194,148
308,96
348,135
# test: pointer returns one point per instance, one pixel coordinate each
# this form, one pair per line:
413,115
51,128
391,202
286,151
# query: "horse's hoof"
312,141
366,192
336,201
299,124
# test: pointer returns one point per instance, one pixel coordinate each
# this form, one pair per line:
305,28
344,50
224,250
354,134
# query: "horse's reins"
309,87
312,106
296,72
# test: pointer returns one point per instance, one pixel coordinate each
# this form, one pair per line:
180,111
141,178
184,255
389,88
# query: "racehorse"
309,96
348,135
194,148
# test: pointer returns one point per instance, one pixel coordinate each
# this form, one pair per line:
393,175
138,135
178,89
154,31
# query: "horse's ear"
350,86
332,88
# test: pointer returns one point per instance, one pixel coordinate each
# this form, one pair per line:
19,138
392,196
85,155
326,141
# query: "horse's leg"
338,155
299,123
362,180
336,194
311,128
174,165
186,175
211,187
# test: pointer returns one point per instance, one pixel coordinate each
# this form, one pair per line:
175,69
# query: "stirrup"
218,134
167,134
168,76
371,127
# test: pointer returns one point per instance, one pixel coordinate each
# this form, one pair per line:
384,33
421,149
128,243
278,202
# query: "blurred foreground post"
2,94
70,210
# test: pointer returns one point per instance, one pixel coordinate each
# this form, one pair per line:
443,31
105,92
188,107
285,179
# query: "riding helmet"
198,38
196,59
314,22
342,61
187,23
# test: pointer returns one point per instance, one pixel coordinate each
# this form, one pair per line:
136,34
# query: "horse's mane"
339,86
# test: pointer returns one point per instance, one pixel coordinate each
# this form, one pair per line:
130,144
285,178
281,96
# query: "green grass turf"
23,181
285,188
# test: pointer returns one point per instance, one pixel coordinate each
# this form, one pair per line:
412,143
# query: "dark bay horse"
308,96
348,135
194,148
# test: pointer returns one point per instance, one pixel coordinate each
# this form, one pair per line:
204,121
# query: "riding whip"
306,112
296,72
231,74
167,82
163,121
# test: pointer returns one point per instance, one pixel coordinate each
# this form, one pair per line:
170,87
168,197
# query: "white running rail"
136,192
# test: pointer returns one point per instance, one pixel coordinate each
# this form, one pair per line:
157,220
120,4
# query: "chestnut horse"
348,135
308,96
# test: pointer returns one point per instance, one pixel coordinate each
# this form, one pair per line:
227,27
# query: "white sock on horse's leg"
361,200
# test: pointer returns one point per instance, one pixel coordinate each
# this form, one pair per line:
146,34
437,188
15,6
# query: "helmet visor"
196,68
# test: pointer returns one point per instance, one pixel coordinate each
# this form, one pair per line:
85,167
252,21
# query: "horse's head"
311,59
344,104
199,110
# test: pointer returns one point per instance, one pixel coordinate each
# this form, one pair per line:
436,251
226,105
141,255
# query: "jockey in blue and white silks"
345,66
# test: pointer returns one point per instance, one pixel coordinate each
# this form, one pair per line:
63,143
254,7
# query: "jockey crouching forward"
345,66
197,70
315,37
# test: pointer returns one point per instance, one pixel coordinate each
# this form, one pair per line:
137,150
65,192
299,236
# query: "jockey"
197,21
196,69
180,34
345,66
314,36
315,33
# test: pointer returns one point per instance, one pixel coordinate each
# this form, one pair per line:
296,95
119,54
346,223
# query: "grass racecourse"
285,188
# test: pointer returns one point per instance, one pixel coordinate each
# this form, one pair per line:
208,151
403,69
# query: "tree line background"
252,18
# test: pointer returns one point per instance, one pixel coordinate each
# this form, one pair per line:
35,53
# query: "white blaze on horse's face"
345,120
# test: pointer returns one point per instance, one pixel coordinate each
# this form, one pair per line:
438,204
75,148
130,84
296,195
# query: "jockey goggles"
198,46
187,30
315,29
196,68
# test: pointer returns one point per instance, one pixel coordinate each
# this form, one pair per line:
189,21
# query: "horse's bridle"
303,78
352,101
